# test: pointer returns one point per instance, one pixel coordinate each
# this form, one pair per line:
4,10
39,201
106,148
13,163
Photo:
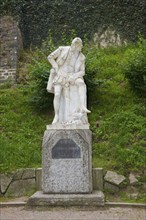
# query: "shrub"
39,70
134,68
40,99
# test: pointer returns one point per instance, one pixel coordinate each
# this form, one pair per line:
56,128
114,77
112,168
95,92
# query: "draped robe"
69,101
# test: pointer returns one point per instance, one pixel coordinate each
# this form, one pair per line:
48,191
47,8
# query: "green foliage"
40,99
118,115
36,17
39,70
124,196
121,138
7,84
103,67
21,130
118,118
135,67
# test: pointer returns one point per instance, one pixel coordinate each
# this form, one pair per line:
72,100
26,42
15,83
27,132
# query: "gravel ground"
99,213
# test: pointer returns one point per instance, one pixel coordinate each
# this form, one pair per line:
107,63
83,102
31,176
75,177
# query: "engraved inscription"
66,148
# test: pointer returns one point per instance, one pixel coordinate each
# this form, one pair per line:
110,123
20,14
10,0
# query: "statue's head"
77,44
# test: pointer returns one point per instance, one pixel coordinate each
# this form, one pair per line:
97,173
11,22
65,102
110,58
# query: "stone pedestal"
66,161
96,198
67,169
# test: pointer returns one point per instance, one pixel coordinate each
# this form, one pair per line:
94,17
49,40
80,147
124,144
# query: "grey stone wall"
22,181
11,45
18,183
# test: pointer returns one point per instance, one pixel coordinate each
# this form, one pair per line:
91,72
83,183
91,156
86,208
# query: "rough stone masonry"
11,44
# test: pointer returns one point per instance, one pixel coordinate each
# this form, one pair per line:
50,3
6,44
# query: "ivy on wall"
36,17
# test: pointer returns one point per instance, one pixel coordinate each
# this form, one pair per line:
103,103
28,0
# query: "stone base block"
67,161
40,199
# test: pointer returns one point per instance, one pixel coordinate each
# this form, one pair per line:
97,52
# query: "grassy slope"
22,130
118,118
118,121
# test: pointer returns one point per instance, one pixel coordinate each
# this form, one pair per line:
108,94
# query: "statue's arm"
81,72
78,74
52,58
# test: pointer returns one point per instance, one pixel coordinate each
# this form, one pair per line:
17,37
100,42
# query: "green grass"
21,130
118,118
123,196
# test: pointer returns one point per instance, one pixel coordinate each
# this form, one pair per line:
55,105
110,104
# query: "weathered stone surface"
133,196
6,74
97,178
28,173
73,175
110,187
132,189
5,180
108,37
132,179
21,187
39,179
11,44
40,199
17,175
114,178
67,126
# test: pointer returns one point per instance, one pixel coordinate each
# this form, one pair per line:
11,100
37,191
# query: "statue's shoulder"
64,48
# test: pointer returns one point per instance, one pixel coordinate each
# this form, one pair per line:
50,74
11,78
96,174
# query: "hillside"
118,118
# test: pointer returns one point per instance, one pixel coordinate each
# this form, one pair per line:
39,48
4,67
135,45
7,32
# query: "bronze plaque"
65,149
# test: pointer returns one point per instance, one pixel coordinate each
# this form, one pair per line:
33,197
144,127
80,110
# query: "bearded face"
77,44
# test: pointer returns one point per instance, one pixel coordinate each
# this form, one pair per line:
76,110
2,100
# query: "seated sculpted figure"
67,83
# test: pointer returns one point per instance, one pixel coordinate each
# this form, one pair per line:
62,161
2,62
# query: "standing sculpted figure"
67,83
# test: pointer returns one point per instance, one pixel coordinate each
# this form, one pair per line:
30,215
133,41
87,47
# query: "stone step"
96,198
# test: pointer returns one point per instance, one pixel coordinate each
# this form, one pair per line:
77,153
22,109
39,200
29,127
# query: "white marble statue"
67,83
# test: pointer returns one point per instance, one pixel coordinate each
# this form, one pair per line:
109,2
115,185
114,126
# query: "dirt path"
116,213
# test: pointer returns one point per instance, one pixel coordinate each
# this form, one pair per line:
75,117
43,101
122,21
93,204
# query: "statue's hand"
71,79
64,75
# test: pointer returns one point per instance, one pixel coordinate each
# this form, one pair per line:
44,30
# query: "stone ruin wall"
10,47
22,181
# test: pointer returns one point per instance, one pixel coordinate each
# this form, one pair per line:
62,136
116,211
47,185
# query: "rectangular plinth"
66,161
39,199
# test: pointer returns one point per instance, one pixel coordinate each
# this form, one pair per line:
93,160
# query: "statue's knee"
79,81
57,95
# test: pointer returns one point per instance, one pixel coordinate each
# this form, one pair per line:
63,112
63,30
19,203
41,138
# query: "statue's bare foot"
84,109
55,120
